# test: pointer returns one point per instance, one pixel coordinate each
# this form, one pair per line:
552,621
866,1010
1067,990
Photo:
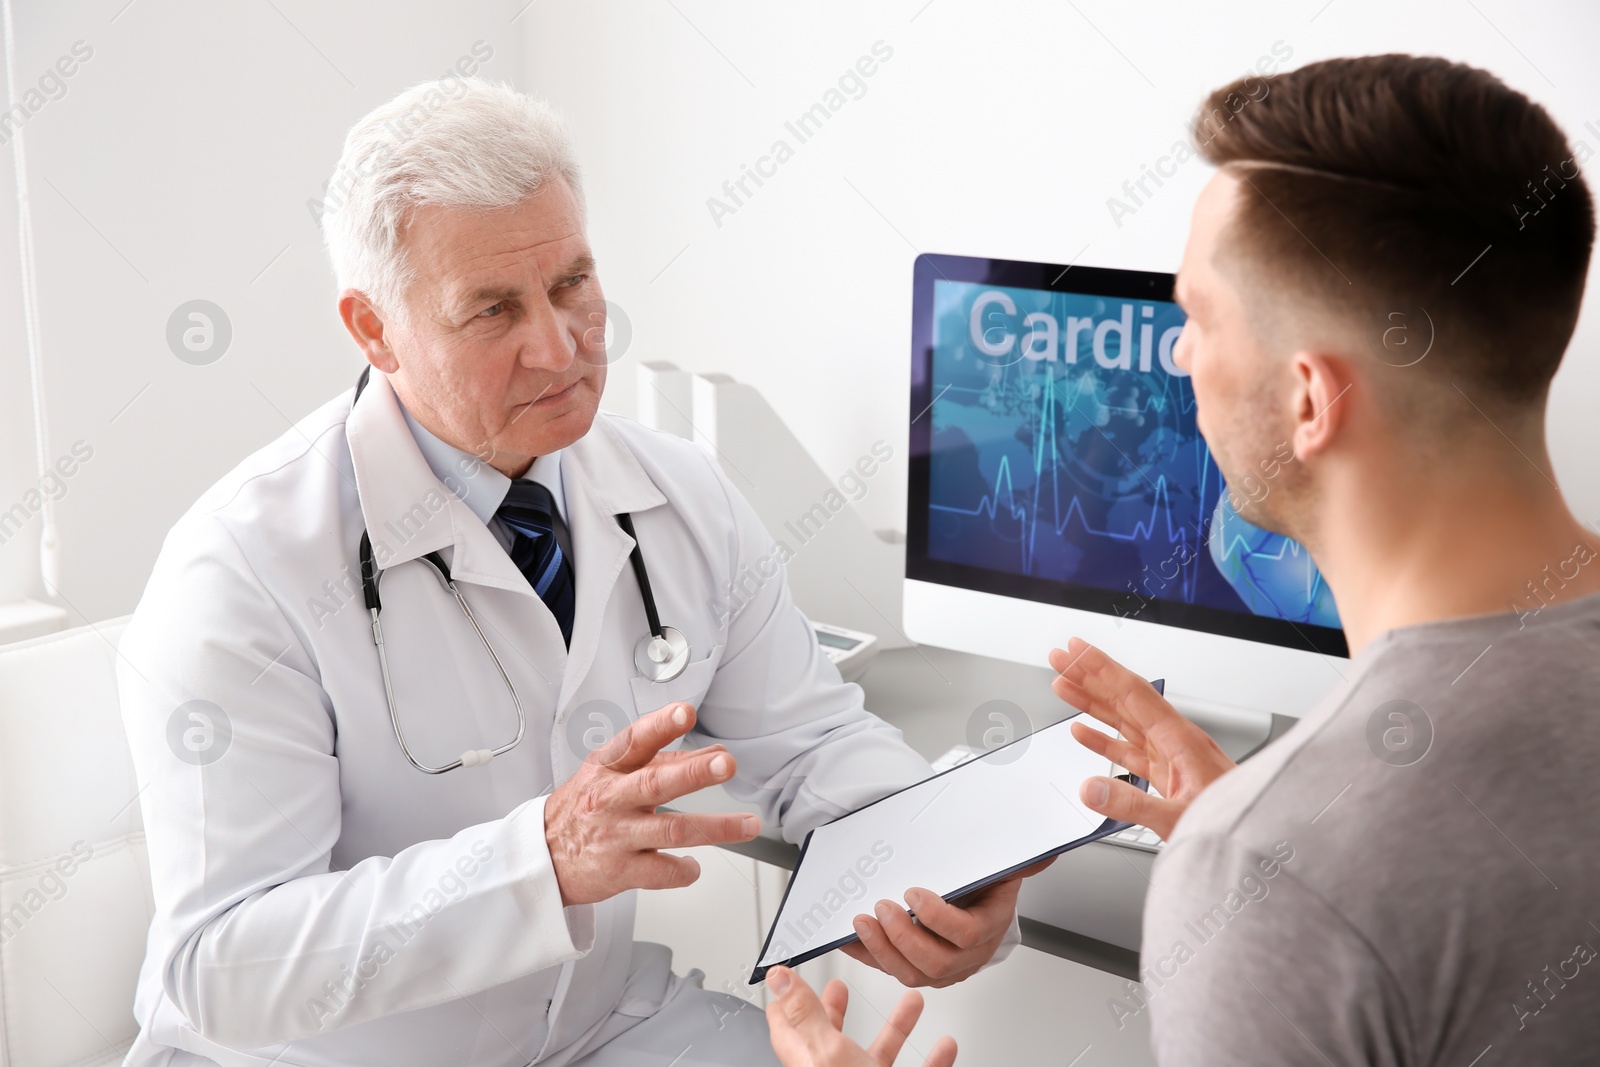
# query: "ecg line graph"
1029,511
1238,545
1003,495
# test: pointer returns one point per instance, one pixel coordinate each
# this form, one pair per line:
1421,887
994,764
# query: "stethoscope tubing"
625,520
370,577
372,574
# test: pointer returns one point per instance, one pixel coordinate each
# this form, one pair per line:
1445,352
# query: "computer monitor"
1059,487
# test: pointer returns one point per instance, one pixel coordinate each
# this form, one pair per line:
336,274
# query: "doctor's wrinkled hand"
602,826
1159,745
806,1031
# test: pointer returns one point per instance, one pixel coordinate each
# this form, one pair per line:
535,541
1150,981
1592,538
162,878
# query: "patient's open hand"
806,1029
1161,746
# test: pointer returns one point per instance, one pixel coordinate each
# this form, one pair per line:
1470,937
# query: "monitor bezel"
1064,278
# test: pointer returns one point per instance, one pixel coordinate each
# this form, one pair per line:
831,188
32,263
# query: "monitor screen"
1055,457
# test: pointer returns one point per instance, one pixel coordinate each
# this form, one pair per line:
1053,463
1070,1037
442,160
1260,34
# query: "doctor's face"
503,351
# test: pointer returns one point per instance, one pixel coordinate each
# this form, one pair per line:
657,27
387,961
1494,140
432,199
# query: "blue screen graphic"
1064,447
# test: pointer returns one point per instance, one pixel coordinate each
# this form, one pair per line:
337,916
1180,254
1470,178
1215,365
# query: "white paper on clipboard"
951,833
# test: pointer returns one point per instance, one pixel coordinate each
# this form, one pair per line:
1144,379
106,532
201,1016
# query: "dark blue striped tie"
529,510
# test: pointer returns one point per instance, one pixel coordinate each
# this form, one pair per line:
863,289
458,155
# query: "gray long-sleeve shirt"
1410,876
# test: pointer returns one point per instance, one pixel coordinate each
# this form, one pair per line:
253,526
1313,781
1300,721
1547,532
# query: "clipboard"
954,833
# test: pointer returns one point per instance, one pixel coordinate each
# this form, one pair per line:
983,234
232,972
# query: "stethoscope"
659,656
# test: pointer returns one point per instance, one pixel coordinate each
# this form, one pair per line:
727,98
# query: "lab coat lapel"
409,513
407,510
601,478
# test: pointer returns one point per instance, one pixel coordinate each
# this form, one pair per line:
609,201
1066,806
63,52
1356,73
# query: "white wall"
178,165
998,127
179,162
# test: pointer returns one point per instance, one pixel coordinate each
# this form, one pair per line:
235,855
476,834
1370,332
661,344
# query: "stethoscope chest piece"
661,658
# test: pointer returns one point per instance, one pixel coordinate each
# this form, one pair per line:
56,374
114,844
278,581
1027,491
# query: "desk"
1087,907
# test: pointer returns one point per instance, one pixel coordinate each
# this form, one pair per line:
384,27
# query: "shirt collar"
476,483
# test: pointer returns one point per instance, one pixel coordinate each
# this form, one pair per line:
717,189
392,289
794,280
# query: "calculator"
850,650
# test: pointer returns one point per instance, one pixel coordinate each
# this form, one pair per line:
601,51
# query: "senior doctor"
447,873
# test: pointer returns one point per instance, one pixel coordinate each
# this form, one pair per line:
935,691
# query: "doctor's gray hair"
455,142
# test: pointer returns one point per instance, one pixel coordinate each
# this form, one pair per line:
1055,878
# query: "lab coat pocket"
689,686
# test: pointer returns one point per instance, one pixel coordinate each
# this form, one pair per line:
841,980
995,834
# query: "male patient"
1384,274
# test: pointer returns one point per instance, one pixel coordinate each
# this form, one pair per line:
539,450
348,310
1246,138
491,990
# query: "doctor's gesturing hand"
602,826
1159,745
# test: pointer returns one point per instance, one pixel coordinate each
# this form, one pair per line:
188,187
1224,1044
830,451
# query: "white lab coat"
320,901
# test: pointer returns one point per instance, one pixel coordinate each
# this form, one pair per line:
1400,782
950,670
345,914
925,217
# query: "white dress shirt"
480,486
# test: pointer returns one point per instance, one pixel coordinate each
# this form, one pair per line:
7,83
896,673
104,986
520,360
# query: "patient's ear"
1321,404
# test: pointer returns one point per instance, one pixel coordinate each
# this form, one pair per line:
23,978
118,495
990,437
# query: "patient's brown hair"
1395,182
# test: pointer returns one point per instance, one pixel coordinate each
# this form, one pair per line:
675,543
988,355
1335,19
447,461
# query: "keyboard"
1138,838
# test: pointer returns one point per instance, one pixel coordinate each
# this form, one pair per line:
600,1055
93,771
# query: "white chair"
75,900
